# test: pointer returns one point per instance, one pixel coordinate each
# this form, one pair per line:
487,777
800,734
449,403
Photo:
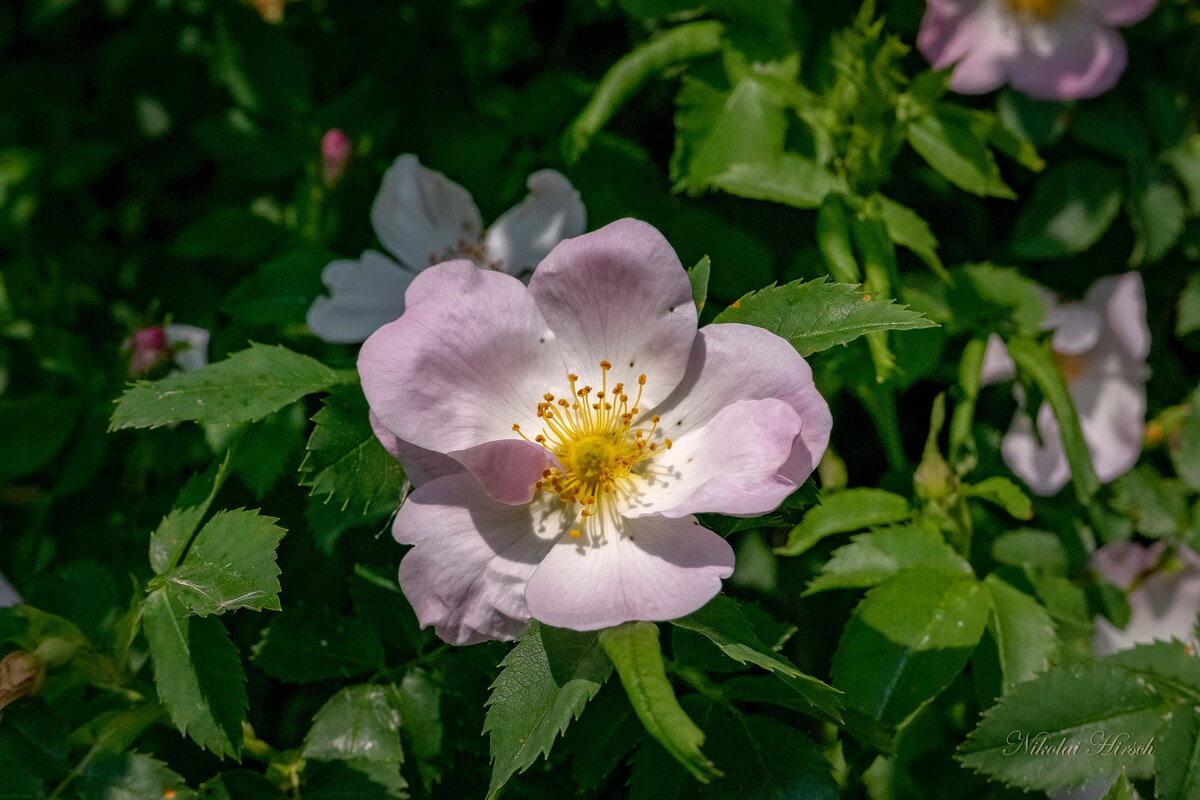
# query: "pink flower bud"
149,348
335,155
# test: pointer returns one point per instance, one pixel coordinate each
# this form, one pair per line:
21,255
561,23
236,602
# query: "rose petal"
979,38
1122,301
1072,58
1077,327
1112,413
421,215
190,344
420,465
473,556
524,234
1163,607
1119,13
469,359
364,295
619,294
650,568
8,595
1120,563
997,365
729,465
1043,467
732,362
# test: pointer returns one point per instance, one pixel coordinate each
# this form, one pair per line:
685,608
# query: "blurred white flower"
423,218
1100,346
8,595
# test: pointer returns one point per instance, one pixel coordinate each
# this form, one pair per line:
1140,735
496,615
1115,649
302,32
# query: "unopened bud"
148,348
56,651
335,155
21,675
270,10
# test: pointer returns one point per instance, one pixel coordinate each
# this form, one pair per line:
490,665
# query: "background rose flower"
422,218
577,425
1164,597
8,595
1049,49
1100,346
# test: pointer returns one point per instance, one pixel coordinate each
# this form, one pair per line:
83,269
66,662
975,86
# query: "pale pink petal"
729,465
1112,413
467,574
1162,607
8,595
1043,467
976,36
507,468
1120,13
527,232
1122,301
620,295
189,344
989,63
421,216
997,365
420,465
470,358
1073,58
1121,563
650,568
733,362
1077,327
363,295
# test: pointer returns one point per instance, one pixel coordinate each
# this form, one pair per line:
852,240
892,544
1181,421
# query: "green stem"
961,441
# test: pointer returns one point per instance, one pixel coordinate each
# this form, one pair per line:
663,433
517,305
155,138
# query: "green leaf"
1157,211
418,699
681,43
723,622
908,639
1070,704
698,277
230,565
246,386
1034,363
998,298
545,682
1023,632
1184,159
817,315
356,723
173,533
1156,506
357,779
235,234
1187,319
1026,548
131,776
906,228
840,512
871,558
1185,448
1123,790
34,429
240,784
379,602
634,650
1071,207
833,239
600,741
198,673
345,461
1177,762
308,644
1172,666
1003,493
946,139
768,760
281,291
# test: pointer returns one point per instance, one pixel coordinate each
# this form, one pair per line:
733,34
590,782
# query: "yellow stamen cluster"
1041,10
1070,366
592,433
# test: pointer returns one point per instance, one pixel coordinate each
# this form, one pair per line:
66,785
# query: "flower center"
471,250
1040,10
592,434
1070,366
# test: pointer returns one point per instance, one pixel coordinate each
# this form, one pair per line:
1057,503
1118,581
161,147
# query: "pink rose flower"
423,218
562,436
1164,599
1049,49
335,155
1100,346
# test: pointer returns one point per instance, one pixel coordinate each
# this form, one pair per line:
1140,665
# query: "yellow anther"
575,534
642,379
604,365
